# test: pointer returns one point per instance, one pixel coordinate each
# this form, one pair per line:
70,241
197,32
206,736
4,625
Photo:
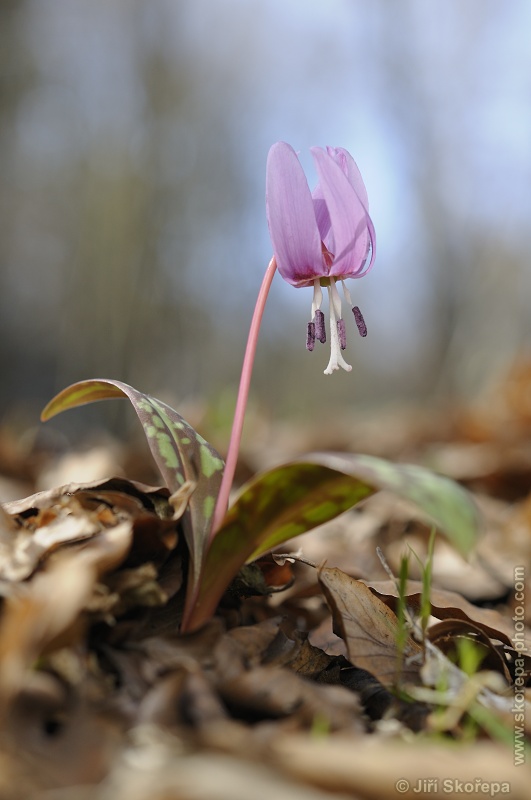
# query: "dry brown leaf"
253,641
382,769
108,550
135,588
271,692
156,766
51,736
49,497
38,614
326,640
369,629
20,559
310,661
445,604
447,634
46,613
7,523
48,521
185,697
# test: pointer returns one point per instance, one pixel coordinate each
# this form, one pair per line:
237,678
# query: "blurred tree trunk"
17,78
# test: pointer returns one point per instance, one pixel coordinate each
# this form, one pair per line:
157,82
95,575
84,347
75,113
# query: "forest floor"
289,694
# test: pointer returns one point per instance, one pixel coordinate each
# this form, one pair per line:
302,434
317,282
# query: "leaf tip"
48,412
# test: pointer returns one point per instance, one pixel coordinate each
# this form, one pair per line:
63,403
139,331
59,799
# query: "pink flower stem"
241,403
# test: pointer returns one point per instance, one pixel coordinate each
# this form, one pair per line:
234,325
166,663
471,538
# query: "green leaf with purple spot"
294,498
180,453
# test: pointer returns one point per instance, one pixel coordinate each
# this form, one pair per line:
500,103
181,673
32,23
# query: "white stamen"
336,359
334,294
317,297
346,292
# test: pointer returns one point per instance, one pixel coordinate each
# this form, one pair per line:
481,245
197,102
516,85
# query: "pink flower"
322,237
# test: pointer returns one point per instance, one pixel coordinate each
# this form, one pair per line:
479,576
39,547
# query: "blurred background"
133,144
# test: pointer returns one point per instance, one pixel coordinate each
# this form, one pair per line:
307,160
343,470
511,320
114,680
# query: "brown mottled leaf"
270,509
450,507
183,457
294,498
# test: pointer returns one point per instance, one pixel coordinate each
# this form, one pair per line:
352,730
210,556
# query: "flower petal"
352,227
350,168
321,212
291,218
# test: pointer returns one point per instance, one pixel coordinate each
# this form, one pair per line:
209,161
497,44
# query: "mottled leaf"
181,454
446,503
270,509
294,498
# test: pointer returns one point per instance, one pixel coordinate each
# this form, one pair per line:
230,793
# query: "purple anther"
360,322
342,333
320,332
310,336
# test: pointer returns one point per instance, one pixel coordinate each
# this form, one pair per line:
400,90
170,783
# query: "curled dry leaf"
38,614
120,489
179,499
72,559
26,549
446,604
447,635
482,624
46,611
74,514
369,629
272,692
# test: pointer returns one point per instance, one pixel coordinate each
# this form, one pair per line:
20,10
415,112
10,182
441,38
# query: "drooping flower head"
320,237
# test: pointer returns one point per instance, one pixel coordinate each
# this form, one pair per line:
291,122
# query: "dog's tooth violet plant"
322,237
318,239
